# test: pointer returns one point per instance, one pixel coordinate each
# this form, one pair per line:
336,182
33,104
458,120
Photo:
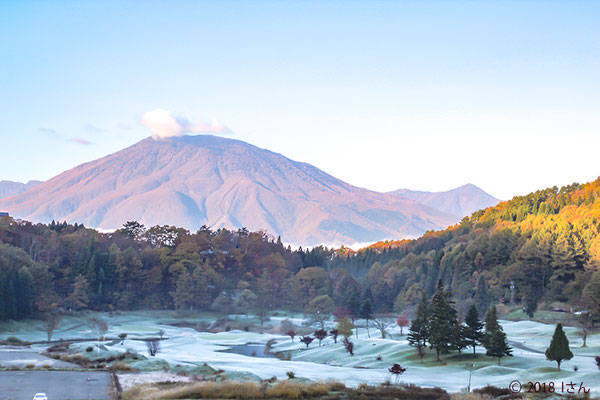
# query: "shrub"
120,366
30,366
492,391
89,349
58,347
14,341
291,374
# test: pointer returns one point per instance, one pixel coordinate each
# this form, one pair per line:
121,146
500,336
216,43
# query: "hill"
534,249
200,180
10,188
461,201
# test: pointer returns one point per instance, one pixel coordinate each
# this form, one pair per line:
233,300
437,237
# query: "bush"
492,391
89,349
14,341
61,347
290,374
120,366
30,366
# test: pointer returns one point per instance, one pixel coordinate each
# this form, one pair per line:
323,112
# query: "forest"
538,250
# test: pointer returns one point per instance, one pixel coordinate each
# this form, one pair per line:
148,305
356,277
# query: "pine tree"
459,341
494,339
366,313
443,322
418,332
559,347
474,329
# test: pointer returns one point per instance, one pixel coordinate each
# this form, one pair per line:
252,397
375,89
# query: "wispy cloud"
80,141
163,124
47,130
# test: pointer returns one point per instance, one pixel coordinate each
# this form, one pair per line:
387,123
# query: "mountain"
10,188
530,251
190,181
462,201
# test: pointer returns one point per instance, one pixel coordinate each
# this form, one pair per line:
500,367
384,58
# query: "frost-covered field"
188,348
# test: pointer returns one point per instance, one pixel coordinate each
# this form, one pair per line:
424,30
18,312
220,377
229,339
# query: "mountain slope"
462,201
194,180
532,250
10,188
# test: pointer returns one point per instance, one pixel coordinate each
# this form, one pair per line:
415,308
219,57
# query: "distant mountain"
462,201
10,188
195,180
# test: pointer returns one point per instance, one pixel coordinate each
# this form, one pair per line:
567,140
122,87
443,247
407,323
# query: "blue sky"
425,95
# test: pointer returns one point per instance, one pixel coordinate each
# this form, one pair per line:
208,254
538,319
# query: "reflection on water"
257,350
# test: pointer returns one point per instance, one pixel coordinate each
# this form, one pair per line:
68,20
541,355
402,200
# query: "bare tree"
101,327
161,333
382,323
153,346
51,324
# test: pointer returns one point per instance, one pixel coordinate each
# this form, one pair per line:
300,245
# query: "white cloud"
163,124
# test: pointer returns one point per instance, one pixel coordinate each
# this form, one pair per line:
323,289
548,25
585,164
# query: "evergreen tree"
366,313
353,304
418,332
459,341
474,330
559,347
442,323
494,338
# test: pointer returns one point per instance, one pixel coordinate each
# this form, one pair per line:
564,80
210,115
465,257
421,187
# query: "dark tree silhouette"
307,340
349,346
559,347
122,336
291,333
397,370
320,334
334,333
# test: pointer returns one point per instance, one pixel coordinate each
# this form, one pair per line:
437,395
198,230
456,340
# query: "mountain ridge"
190,181
461,201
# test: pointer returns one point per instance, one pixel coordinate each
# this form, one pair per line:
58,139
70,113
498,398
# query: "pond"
257,350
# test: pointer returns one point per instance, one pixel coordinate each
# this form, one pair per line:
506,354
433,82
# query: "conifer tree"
442,323
459,341
494,338
366,313
559,347
418,332
473,332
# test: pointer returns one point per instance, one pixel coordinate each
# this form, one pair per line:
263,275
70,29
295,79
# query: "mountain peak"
461,201
191,181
